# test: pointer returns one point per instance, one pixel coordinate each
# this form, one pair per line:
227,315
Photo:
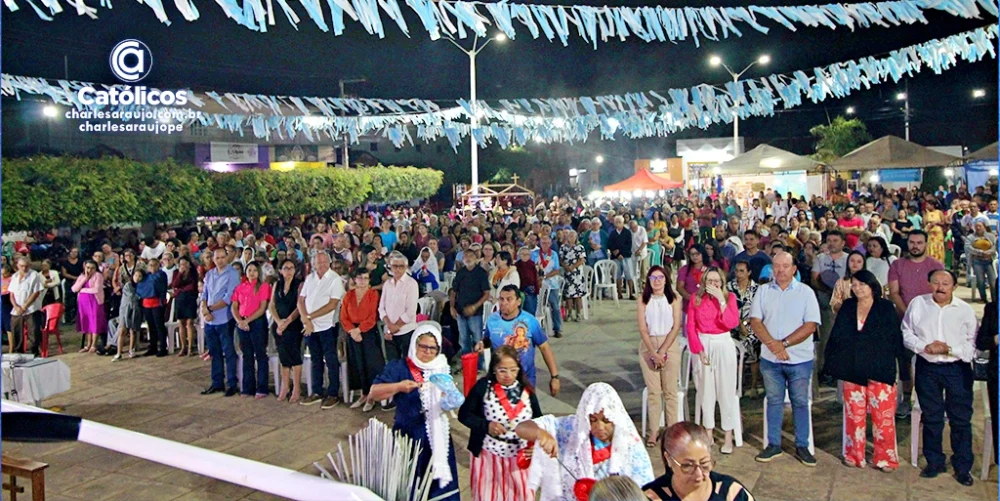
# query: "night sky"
215,53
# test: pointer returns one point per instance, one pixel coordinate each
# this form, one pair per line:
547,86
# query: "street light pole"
906,110
717,61
474,120
347,155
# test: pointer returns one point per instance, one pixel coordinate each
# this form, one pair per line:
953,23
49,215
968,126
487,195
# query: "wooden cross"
515,177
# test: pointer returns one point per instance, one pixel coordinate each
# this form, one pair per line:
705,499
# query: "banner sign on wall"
234,153
899,175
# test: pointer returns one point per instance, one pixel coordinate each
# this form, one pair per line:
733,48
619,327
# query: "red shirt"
362,315
857,222
249,299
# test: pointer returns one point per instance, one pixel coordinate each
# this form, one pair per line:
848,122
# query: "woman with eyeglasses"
659,320
413,384
493,408
287,330
686,449
711,315
358,317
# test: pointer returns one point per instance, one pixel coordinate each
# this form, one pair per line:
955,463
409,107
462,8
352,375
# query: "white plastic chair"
741,353
987,457
588,280
200,328
915,415
604,278
788,403
428,306
173,327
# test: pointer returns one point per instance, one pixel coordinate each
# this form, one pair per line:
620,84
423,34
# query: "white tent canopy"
766,159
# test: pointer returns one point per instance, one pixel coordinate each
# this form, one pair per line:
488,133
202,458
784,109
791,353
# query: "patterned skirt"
496,478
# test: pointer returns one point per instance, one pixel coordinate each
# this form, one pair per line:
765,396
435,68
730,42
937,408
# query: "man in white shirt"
154,249
321,293
639,241
398,307
25,290
941,329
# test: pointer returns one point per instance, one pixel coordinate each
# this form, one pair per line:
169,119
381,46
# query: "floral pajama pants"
879,399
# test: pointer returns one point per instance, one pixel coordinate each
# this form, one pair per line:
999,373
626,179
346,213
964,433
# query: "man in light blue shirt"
547,260
216,297
784,315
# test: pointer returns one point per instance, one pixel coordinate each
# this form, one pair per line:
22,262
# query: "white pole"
473,146
736,124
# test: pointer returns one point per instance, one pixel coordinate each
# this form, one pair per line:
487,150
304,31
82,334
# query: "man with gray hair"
596,242
317,305
398,307
25,290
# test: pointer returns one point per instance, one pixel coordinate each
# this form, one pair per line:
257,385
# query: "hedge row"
46,192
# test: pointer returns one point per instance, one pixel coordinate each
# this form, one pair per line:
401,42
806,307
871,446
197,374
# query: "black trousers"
398,347
157,328
365,360
946,388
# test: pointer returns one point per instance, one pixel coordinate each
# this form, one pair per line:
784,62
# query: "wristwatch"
554,376
784,342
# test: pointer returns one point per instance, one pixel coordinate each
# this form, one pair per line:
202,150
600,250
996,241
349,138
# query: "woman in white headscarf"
421,414
600,440
425,270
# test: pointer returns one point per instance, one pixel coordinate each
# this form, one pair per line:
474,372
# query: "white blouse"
659,316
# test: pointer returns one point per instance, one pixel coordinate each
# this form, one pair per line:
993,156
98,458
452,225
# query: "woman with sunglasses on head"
493,408
287,329
659,320
686,449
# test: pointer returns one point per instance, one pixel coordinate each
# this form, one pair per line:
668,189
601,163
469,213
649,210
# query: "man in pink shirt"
852,226
398,307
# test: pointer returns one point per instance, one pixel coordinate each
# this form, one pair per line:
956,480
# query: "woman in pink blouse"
91,318
712,313
249,306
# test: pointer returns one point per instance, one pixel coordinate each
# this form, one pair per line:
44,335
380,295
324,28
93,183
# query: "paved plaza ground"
159,396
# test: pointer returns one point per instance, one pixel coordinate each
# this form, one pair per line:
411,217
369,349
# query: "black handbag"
981,365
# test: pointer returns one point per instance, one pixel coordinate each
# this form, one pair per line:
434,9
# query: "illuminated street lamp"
850,110
978,93
717,61
599,159
50,111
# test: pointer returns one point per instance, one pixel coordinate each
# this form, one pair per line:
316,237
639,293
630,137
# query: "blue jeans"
984,276
555,312
253,344
323,348
219,339
470,332
530,304
796,379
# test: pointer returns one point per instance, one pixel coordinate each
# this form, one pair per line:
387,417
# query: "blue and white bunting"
462,19
515,122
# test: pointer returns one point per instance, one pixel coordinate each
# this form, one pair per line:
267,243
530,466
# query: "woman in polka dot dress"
495,405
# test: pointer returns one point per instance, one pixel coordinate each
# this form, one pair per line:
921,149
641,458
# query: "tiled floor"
160,397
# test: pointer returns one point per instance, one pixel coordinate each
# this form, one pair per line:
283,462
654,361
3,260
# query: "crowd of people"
858,289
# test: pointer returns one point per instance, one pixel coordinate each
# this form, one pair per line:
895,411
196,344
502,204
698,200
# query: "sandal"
650,445
295,399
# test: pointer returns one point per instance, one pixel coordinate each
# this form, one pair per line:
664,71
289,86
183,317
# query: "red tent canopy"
646,181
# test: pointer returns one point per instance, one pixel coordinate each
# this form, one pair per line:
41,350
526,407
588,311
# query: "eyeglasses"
657,278
428,348
508,372
397,266
689,468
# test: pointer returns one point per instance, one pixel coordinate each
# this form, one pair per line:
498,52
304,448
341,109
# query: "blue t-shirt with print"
523,333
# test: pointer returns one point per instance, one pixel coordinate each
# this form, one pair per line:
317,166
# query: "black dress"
984,341
290,341
724,488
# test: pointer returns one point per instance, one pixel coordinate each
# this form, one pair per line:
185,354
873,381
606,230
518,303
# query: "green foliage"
44,192
839,138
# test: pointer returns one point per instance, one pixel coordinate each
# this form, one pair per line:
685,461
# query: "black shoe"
232,391
389,406
557,334
828,381
769,453
210,390
932,471
101,351
804,456
161,354
150,353
964,479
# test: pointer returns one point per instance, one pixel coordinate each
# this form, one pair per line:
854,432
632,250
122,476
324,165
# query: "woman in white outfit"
659,319
712,314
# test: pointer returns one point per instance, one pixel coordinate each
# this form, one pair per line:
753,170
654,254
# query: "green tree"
839,138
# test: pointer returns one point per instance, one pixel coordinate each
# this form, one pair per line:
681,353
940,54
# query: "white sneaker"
359,402
117,357
368,407
131,354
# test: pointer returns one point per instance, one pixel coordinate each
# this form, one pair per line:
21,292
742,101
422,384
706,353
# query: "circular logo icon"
131,60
